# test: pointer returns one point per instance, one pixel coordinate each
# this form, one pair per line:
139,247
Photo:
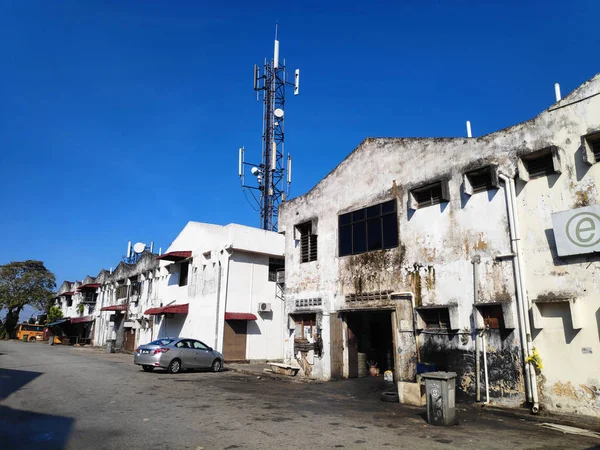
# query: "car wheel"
148,368
174,366
31,338
216,365
390,396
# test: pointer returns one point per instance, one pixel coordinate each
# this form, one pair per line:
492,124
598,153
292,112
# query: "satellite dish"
139,247
278,113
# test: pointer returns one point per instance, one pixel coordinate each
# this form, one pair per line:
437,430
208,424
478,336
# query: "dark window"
308,242
161,342
595,146
69,301
432,194
136,288
368,229
90,297
481,180
275,265
122,291
492,316
183,273
437,318
540,164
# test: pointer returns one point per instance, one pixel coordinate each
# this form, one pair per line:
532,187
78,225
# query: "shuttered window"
431,194
368,229
539,165
308,243
435,318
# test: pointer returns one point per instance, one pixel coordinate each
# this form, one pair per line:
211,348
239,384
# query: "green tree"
54,314
24,283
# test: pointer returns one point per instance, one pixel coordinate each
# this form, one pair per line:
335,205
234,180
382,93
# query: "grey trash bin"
110,345
440,392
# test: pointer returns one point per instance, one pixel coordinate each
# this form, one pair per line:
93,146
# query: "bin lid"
438,375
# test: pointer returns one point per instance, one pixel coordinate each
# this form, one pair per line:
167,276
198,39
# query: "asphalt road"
66,397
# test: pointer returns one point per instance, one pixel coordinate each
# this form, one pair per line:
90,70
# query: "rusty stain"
564,389
480,244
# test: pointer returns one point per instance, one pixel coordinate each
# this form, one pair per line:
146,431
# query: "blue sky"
121,120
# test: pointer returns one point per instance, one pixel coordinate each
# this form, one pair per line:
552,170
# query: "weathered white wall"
236,258
437,243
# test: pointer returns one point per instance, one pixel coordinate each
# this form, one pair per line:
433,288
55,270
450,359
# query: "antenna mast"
274,174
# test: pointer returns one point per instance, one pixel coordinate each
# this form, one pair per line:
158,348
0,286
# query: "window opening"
183,273
539,165
493,317
481,180
306,326
431,194
368,229
275,264
436,318
308,242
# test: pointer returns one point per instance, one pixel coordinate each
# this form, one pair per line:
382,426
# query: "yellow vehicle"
29,332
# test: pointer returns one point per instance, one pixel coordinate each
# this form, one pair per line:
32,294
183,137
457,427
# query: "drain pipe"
485,367
475,261
522,306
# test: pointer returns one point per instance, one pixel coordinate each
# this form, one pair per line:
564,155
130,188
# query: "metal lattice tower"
273,176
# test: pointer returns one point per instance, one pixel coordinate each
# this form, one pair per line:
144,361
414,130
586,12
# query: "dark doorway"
370,339
234,340
129,339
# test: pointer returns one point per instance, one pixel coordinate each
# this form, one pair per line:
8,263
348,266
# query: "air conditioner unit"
264,307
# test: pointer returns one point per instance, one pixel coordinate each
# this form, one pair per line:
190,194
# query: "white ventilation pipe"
485,367
469,134
522,304
557,91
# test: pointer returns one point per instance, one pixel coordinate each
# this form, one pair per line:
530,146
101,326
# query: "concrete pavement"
66,397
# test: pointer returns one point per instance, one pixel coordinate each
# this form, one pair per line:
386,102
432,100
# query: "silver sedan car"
176,354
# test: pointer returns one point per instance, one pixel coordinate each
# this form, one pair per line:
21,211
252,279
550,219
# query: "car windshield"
161,342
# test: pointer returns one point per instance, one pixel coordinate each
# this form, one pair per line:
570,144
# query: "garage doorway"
369,338
234,340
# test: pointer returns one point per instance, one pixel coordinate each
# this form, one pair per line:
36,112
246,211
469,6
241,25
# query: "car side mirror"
210,349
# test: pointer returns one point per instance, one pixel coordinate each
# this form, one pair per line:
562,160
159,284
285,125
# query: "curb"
589,423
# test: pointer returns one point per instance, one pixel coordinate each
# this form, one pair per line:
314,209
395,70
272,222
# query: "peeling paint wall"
438,243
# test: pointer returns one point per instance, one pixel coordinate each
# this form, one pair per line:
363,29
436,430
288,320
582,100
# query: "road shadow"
12,380
24,429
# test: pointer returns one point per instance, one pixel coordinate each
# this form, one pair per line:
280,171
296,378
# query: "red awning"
239,316
82,319
114,308
66,293
89,286
175,256
172,309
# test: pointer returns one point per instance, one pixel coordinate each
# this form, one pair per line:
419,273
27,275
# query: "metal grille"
368,296
308,243
306,302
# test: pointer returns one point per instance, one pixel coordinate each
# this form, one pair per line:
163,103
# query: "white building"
218,284
410,248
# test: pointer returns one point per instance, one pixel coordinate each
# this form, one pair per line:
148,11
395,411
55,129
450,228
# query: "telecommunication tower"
274,173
